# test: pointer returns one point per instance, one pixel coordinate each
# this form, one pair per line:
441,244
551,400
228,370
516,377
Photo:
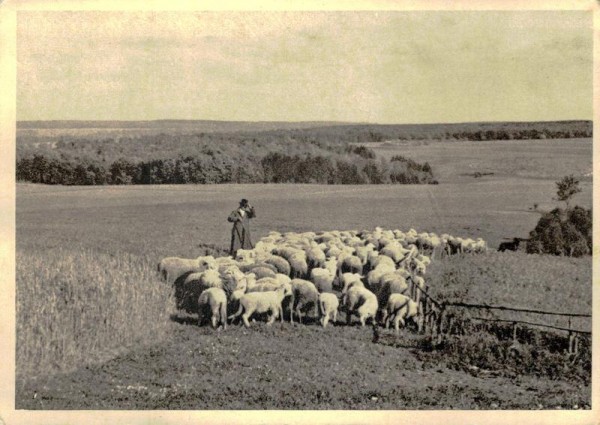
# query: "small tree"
567,187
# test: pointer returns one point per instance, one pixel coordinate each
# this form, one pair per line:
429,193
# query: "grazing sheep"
361,302
299,266
189,286
328,306
351,264
347,279
261,272
261,302
323,279
245,255
248,267
375,275
280,263
399,309
171,268
315,257
304,296
396,252
215,300
390,283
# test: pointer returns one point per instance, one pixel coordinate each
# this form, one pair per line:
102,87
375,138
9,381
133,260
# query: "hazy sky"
383,67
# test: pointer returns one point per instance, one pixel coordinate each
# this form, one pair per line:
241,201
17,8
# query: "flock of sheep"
374,275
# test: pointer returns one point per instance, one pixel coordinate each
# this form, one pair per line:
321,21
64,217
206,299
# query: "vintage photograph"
304,210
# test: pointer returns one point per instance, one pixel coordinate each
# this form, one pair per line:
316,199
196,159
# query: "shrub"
561,232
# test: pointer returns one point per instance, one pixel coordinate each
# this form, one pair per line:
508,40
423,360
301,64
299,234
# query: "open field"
305,366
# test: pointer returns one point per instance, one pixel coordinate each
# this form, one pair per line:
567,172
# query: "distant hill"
207,126
471,131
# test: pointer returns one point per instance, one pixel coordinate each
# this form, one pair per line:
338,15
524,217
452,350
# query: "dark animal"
510,246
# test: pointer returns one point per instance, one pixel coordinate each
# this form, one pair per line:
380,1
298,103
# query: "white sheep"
328,306
361,302
400,308
171,268
215,300
280,263
347,279
323,279
261,302
304,296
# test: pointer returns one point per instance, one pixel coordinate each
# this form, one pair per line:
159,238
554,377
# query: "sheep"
280,263
390,283
304,296
362,302
374,276
261,272
215,300
171,268
351,264
380,260
400,308
347,279
315,257
396,252
189,286
299,266
261,302
245,255
328,306
250,266
323,279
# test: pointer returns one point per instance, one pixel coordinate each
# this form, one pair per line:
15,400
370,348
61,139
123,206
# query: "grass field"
304,367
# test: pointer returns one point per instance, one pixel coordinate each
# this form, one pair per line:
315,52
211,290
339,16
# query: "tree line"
357,165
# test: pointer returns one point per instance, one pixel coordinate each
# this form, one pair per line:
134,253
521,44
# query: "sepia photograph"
367,209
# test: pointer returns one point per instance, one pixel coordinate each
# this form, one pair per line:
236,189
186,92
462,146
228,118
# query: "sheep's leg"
245,318
334,320
384,317
397,320
223,315
213,320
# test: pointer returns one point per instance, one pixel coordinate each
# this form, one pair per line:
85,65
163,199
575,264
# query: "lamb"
304,296
328,306
362,302
261,302
323,279
399,309
215,300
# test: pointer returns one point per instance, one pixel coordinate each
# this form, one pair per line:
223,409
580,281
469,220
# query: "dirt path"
285,367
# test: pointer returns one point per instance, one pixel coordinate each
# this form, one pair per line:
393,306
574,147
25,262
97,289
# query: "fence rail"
485,319
524,310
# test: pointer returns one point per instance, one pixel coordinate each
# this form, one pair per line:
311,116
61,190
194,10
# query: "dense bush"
563,232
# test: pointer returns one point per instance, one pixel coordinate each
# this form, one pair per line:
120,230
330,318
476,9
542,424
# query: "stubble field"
305,366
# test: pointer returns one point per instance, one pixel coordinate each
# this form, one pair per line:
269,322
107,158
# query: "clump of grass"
77,307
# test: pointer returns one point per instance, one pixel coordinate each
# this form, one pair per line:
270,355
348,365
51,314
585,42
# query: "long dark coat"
240,233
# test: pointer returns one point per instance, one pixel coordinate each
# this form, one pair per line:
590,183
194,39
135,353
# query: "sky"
379,67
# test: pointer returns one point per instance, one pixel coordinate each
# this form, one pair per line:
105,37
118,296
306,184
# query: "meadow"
115,234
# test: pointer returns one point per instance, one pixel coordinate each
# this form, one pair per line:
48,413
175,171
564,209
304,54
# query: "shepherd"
240,233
